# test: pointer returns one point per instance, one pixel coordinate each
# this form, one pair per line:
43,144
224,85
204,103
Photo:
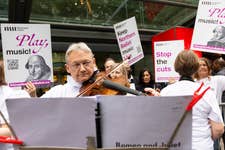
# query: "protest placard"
165,53
27,53
129,41
209,30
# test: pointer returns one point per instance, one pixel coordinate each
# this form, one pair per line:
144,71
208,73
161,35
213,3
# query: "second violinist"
120,75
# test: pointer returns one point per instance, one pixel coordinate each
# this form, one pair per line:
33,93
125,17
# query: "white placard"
209,30
129,40
165,53
23,42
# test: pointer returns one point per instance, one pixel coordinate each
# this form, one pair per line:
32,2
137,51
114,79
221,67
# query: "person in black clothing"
146,80
218,68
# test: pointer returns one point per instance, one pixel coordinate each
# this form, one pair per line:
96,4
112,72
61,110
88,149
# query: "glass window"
149,15
3,10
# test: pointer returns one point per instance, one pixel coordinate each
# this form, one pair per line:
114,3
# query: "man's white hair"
77,46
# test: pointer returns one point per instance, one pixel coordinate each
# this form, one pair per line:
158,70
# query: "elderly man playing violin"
80,64
85,80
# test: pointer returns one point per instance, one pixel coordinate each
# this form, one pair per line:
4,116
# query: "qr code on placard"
13,64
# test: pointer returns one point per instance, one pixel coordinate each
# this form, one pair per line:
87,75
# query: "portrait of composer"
37,68
218,39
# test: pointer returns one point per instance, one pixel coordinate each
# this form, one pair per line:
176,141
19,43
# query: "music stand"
58,124
90,146
48,148
127,122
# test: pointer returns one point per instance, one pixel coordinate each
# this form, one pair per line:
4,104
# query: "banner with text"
145,121
27,54
165,53
209,30
129,41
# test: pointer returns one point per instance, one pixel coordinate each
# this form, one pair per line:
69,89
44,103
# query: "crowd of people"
81,65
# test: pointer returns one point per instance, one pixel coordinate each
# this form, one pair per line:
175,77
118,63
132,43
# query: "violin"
97,87
101,84
94,85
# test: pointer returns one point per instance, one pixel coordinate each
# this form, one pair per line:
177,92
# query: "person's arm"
4,131
217,129
152,92
31,89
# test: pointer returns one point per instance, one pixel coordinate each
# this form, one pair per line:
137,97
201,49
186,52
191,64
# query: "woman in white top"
217,83
6,93
207,122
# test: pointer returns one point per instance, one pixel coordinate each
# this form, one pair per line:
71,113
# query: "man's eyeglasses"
85,64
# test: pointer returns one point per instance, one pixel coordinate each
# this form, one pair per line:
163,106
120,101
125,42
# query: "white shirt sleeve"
215,114
7,93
